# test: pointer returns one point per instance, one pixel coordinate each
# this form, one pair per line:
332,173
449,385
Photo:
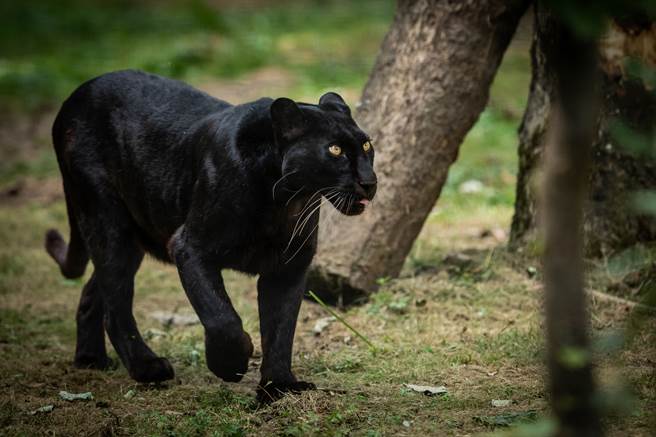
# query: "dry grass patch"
469,320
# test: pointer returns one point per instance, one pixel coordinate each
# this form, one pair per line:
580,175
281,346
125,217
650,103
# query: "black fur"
153,165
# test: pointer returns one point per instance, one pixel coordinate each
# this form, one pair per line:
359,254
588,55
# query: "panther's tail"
73,257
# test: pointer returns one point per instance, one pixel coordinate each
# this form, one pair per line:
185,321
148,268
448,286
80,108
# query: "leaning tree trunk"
616,173
428,87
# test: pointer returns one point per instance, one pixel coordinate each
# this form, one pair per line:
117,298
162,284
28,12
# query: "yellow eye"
366,146
335,150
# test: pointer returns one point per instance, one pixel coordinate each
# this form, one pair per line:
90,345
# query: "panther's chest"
271,243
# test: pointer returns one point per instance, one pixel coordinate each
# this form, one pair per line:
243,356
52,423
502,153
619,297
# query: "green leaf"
631,259
573,357
632,141
644,202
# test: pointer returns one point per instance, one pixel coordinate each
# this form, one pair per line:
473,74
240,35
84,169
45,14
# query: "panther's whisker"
307,216
298,231
306,238
314,194
351,198
273,190
300,217
308,205
294,195
303,243
339,202
337,211
305,209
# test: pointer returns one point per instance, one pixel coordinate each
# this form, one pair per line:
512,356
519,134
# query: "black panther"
152,165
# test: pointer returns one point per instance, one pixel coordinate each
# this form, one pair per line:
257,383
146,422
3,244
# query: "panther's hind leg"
90,352
115,272
116,256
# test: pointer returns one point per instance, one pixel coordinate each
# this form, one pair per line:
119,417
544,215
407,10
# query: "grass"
464,314
478,335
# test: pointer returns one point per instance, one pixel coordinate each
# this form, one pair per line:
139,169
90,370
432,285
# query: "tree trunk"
428,87
571,65
616,173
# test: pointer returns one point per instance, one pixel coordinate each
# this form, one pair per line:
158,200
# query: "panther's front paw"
228,357
271,391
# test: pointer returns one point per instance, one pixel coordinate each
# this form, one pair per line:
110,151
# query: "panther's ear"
335,102
287,118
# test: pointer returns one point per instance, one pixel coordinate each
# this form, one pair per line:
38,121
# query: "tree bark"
428,86
609,224
570,63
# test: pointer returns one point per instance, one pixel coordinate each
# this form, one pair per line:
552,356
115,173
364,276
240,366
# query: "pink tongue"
364,202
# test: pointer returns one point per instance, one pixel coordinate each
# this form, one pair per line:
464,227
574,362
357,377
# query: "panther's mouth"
351,204
359,207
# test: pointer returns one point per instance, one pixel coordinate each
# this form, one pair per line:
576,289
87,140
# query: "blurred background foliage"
48,48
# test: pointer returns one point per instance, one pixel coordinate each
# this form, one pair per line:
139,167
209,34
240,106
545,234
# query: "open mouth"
359,206
351,204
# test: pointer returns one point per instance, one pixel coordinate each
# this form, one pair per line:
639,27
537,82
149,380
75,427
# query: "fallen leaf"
44,409
75,396
427,389
322,324
501,402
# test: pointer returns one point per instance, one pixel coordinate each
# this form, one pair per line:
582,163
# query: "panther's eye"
335,150
366,146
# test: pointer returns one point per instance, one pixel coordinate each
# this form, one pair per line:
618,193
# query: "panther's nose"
369,187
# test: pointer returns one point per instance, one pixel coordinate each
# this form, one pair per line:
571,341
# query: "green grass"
489,155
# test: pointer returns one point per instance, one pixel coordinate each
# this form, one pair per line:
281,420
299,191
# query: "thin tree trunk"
572,65
428,87
609,222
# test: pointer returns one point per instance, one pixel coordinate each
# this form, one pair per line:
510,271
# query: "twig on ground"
605,297
600,295
332,390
